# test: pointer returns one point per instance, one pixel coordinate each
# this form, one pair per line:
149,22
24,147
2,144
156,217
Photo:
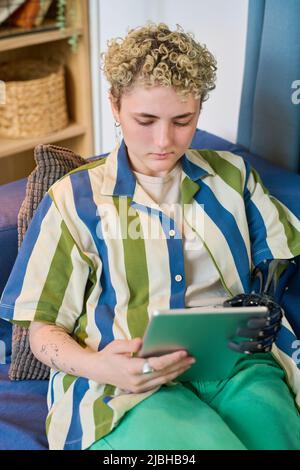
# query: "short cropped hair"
155,55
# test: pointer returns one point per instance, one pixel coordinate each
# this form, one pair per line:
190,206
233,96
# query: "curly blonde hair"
156,55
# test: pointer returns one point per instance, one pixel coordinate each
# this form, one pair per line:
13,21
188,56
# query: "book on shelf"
8,7
31,13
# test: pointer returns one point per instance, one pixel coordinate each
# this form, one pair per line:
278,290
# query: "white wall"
220,24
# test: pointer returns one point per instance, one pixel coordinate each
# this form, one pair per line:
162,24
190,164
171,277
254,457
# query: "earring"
118,132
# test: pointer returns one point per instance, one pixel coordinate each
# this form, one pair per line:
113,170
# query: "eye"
182,124
148,123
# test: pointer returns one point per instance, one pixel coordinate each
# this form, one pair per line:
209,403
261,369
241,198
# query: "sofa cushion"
11,197
52,162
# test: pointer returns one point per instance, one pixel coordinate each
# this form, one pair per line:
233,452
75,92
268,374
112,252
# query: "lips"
162,156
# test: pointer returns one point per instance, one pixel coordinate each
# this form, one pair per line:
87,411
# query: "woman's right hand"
116,365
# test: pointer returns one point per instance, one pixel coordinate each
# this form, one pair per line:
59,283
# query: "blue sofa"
23,404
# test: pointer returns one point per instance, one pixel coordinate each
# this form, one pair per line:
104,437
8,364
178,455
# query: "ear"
114,107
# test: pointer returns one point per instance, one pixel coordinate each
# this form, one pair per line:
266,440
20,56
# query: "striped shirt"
88,263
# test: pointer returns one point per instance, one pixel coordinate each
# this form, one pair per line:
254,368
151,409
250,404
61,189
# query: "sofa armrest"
11,197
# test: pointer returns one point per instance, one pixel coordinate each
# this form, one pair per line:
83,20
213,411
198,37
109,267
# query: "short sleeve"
48,280
274,230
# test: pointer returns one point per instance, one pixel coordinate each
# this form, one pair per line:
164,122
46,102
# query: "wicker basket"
35,98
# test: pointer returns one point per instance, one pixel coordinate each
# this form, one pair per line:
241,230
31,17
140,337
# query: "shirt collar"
119,179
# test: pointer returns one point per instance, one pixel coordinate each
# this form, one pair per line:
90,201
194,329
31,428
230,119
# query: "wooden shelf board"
31,39
13,146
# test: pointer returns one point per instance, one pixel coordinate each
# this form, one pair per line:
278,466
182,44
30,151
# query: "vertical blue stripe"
74,437
16,279
175,252
194,172
126,181
258,234
51,384
88,213
287,342
226,223
176,261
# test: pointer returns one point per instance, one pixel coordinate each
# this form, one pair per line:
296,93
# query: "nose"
163,137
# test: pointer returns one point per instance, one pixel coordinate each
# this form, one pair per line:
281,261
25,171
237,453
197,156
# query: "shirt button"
172,233
178,278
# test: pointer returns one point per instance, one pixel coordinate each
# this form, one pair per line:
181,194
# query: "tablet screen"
204,332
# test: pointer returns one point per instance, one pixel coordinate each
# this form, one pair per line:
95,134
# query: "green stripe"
103,414
57,280
136,272
226,170
80,333
85,166
258,180
48,422
292,234
83,256
188,190
67,381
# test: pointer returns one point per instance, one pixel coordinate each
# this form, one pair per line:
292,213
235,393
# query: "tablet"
204,332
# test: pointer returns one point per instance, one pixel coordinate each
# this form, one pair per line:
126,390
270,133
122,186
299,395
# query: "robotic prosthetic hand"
261,332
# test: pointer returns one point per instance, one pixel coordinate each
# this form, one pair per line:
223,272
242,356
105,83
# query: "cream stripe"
72,303
53,382
61,420
195,157
158,273
290,216
38,266
214,238
110,172
63,195
84,239
122,403
229,199
57,385
235,160
86,412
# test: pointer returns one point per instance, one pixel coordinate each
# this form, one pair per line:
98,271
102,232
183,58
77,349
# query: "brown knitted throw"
52,163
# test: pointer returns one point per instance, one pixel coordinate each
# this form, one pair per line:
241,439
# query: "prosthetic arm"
269,280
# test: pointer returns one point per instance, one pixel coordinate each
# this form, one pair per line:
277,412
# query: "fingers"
160,363
126,346
163,379
166,368
248,347
148,382
168,360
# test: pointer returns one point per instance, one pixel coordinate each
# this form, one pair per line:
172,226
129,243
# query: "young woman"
155,225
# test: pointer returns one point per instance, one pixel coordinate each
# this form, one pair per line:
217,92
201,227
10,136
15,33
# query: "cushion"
5,341
53,162
11,197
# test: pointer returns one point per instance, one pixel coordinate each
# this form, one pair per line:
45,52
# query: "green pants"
252,409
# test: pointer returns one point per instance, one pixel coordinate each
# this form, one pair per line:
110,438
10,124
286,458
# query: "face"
157,125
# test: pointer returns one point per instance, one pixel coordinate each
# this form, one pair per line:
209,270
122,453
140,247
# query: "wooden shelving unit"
16,155
34,38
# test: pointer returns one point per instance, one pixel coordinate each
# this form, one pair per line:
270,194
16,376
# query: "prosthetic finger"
250,347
